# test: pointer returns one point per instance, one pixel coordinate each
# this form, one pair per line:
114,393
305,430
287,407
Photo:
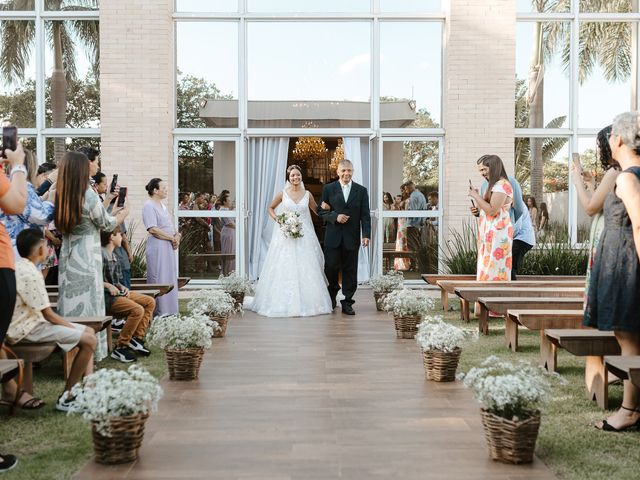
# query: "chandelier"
309,150
337,157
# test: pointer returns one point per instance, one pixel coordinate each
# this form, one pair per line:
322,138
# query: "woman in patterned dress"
495,231
402,243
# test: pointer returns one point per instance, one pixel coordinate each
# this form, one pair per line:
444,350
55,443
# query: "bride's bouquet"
290,224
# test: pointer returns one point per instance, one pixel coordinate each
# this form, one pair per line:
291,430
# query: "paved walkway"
315,398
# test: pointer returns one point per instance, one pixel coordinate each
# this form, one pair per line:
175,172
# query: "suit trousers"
7,299
341,259
518,251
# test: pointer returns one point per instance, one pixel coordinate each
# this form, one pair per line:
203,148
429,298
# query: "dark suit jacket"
345,235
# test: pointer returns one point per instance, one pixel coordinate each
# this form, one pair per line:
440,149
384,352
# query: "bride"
292,281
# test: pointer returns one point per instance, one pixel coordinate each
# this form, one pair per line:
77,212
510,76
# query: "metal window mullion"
70,15
574,107
17,15
41,151
412,132
440,210
306,132
374,70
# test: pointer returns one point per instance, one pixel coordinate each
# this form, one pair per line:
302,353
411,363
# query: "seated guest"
35,321
120,301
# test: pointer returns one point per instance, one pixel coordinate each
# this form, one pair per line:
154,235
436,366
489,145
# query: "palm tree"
606,44
19,36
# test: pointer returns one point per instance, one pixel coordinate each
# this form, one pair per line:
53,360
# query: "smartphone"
473,204
122,194
9,139
114,182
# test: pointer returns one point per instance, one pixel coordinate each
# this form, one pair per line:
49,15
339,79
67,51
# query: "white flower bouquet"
407,303
213,302
110,393
235,284
180,332
388,282
290,224
435,334
511,391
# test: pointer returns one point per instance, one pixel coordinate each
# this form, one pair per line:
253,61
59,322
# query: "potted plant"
236,286
441,348
407,307
183,338
511,396
383,284
218,305
117,403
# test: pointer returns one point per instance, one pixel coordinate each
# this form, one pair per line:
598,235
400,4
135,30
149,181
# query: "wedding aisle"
315,398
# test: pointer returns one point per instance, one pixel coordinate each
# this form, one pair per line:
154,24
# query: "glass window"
542,82
624,6
320,76
207,77
309,6
207,6
542,169
207,248
412,251
415,161
605,87
591,166
82,5
20,5
72,63
411,6
18,72
205,170
528,6
410,78
57,146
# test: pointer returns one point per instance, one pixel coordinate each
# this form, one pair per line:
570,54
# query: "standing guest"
227,235
161,243
389,223
415,224
533,212
94,160
13,199
402,263
614,290
591,198
79,217
495,230
433,200
543,219
397,202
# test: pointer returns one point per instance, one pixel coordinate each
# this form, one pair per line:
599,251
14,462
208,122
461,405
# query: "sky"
307,6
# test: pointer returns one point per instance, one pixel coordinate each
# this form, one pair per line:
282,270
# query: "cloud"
354,62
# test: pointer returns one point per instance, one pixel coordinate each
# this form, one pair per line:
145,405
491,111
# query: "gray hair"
346,161
627,126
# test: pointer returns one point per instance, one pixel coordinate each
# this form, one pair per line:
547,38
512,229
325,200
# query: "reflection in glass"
412,253
81,5
587,148
415,6
410,79
320,77
206,169
605,72
17,5
213,6
542,82
18,72
624,6
202,253
412,161
526,6
70,144
207,77
309,6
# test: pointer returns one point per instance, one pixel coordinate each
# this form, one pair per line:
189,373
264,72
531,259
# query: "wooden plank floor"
315,398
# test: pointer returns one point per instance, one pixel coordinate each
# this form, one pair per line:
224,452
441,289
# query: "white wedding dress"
292,281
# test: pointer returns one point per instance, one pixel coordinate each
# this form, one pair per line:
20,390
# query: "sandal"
34,403
607,427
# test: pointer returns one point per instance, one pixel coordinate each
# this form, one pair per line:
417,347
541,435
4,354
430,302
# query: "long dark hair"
604,150
533,201
496,172
543,210
73,181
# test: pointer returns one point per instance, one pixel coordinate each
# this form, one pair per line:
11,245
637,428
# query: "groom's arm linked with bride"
345,219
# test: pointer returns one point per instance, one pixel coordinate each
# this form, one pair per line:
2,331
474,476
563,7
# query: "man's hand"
342,218
113,290
325,206
365,242
124,292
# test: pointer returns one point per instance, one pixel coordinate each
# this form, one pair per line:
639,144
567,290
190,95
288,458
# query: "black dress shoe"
348,310
333,303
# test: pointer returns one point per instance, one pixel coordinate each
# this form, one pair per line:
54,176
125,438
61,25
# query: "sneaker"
8,462
138,346
123,354
64,402
118,324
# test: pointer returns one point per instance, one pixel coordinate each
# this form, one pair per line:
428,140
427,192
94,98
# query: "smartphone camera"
9,139
122,195
114,183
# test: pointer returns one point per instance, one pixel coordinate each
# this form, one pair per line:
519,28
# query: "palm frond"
88,34
17,39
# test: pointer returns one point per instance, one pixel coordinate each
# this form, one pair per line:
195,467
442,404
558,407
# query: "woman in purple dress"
228,236
162,241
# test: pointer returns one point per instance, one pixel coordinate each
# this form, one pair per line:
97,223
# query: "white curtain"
356,149
267,171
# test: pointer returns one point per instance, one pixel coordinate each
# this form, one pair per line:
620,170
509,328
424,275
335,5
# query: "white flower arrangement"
290,224
214,302
407,303
435,334
110,393
386,283
234,283
512,391
181,331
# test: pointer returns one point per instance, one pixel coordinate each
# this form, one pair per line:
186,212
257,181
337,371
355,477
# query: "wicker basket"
238,299
407,327
222,326
123,445
379,296
184,364
441,366
511,441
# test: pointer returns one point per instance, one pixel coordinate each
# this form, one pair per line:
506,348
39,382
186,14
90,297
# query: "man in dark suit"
345,209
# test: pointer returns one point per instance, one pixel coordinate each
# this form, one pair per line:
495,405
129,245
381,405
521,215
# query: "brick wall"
136,91
479,73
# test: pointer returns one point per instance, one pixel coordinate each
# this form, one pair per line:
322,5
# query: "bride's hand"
325,206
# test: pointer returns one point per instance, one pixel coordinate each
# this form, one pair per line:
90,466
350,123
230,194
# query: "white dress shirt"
346,189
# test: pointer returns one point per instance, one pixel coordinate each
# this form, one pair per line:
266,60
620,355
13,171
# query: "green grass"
568,442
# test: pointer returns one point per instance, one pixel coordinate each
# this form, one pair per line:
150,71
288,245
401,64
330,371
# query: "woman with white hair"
614,290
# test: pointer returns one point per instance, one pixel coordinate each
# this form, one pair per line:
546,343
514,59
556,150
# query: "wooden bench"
9,368
182,281
501,305
163,288
154,293
593,345
626,368
470,295
542,320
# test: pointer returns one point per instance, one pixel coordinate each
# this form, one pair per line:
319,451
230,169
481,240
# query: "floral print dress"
495,239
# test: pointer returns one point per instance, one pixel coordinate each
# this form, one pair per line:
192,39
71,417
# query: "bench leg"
548,353
109,338
596,380
67,361
444,299
464,310
483,319
27,377
511,333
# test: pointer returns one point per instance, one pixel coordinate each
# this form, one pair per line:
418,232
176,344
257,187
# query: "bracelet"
16,169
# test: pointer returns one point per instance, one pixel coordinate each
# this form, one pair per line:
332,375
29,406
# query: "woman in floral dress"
402,244
495,231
